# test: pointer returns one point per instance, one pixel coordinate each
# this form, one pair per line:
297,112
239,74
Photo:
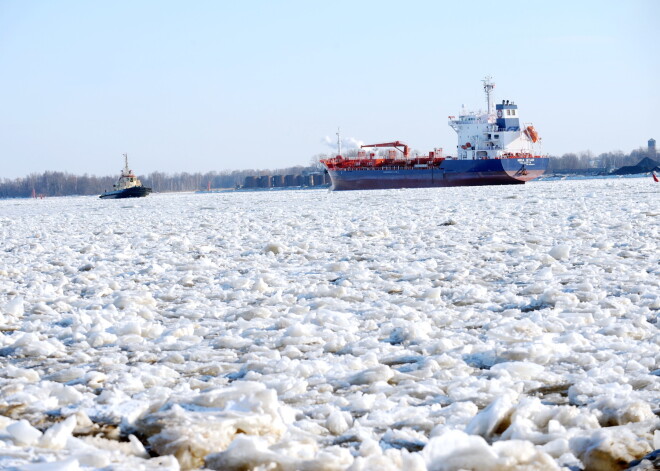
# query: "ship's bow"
525,169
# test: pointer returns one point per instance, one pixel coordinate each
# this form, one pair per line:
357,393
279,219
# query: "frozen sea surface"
491,328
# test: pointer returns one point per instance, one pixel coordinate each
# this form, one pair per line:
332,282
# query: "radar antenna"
488,88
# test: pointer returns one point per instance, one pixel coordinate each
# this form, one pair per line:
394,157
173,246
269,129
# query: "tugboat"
128,185
494,148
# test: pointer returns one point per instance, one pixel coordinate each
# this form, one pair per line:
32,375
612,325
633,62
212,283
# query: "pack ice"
487,328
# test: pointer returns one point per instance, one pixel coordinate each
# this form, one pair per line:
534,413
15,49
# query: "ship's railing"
519,155
432,166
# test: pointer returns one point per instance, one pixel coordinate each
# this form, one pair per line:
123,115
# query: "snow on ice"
491,328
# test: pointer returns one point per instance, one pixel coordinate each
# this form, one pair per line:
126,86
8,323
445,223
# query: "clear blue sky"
215,85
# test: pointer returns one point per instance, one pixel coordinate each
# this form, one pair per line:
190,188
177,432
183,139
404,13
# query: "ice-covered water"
492,328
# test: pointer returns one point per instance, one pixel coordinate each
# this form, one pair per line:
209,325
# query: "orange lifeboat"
532,134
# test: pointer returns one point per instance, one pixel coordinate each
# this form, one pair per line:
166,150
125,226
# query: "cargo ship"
128,185
494,148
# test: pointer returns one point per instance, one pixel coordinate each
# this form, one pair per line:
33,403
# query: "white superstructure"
127,179
495,134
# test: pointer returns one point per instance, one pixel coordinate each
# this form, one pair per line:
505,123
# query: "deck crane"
395,144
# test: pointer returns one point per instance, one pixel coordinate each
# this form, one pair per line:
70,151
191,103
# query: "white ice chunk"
455,450
337,422
338,266
275,248
23,433
486,422
137,447
57,435
617,411
520,455
30,345
211,420
560,252
522,370
371,375
248,453
67,464
15,307
607,449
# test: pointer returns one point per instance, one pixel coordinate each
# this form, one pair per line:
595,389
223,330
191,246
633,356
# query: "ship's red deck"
341,163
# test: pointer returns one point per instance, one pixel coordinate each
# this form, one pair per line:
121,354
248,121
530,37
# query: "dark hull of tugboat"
135,192
448,173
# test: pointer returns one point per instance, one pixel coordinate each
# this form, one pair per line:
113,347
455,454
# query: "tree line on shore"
65,184
52,183
586,160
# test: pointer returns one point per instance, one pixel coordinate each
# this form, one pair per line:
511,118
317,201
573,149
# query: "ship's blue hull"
448,173
133,192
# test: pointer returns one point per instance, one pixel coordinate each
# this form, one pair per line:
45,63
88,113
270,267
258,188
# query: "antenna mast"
488,88
338,143
126,160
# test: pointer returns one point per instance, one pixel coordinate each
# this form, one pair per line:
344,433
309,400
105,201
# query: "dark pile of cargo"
645,165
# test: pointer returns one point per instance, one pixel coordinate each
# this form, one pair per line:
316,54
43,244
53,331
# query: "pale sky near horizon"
218,85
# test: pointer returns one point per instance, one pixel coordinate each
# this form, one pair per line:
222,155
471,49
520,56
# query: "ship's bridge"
507,116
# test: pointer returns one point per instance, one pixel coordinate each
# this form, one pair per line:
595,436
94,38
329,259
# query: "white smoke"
346,143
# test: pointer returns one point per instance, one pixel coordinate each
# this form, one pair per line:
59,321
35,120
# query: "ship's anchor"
522,171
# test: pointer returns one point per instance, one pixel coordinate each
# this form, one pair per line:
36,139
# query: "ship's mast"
338,143
126,162
488,88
